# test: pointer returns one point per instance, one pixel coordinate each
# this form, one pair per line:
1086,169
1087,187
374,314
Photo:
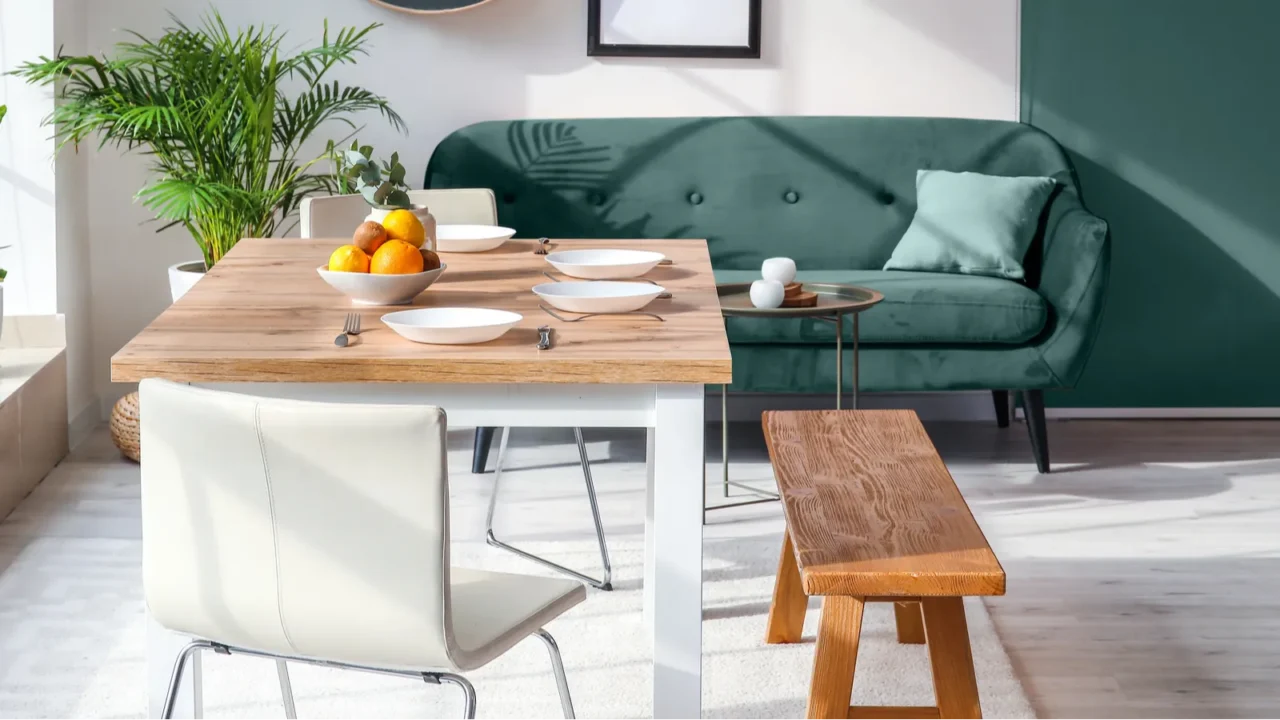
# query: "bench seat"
873,515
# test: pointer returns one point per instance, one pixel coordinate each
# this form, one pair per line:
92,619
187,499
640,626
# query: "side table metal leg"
724,437
840,359
855,361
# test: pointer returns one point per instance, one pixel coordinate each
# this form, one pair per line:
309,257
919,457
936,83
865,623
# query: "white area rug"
72,624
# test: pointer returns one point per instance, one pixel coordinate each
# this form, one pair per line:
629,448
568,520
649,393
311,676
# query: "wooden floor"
1143,574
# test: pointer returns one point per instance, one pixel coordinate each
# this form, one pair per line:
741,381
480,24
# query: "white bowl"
371,289
605,264
598,296
451,325
470,238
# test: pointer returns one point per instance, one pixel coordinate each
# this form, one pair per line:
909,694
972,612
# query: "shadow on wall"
1185,324
1176,150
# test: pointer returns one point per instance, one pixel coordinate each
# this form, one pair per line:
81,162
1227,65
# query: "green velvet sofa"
835,194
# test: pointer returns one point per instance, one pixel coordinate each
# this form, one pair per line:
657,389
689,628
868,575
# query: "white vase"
428,221
183,276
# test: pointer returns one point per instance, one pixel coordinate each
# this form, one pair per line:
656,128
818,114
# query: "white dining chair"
319,533
337,216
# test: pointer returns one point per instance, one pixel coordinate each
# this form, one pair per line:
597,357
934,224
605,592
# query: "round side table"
835,301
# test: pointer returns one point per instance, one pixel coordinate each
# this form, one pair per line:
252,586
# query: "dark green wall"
1171,111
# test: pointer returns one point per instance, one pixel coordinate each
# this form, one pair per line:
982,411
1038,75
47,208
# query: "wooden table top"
871,508
263,314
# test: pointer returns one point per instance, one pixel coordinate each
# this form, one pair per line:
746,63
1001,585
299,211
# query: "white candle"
780,269
767,293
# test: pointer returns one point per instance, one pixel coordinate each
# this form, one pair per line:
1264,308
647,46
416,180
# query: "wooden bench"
874,516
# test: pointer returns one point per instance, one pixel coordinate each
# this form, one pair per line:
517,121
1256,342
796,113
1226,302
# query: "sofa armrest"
1077,263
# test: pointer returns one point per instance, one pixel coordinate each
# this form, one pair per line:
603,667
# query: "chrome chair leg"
468,690
286,690
557,665
605,583
179,667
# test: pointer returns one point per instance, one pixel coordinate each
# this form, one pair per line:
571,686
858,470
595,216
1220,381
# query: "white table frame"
673,416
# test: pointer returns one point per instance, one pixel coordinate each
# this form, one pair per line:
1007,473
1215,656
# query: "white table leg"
649,564
163,647
673,570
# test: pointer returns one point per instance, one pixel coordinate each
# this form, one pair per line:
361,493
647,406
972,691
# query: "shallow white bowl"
371,289
470,238
598,296
605,264
451,325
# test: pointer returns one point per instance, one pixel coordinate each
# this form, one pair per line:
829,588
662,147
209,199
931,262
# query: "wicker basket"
124,427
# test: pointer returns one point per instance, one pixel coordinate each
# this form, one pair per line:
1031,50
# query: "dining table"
262,321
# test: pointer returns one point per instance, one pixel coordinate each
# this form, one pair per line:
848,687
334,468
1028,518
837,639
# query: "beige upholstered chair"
338,216
267,533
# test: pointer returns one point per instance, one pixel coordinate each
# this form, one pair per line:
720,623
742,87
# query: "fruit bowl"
378,289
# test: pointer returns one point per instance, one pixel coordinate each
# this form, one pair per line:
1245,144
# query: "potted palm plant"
222,116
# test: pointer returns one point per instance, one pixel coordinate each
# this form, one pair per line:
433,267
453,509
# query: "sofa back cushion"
830,192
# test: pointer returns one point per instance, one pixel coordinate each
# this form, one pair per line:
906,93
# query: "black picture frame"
596,48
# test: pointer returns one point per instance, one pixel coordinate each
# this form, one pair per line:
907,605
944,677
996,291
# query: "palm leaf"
551,154
223,116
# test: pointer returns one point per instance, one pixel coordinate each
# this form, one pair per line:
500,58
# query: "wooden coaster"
804,299
793,289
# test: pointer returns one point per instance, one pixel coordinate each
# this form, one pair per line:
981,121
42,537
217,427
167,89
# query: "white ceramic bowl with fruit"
376,268
371,289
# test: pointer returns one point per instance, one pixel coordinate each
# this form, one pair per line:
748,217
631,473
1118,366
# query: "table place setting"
381,268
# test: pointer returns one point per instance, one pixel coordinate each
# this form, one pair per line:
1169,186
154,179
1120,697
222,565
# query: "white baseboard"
83,423
949,406
1192,413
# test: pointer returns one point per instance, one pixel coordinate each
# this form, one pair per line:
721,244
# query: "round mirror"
427,7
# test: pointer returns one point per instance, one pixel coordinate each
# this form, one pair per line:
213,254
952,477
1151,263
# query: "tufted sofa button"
885,197
508,198
595,199
695,198
791,196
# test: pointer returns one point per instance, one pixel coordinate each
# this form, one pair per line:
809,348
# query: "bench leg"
835,657
954,684
786,614
910,623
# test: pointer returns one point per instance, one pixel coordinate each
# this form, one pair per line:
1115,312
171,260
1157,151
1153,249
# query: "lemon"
404,225
349,258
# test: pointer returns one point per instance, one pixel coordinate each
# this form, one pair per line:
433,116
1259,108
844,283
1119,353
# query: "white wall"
42,198
527,58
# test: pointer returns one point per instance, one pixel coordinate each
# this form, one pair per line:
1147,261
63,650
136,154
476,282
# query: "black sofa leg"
1033,407
480,452
1001,398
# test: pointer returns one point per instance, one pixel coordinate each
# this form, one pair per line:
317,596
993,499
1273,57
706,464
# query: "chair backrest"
338,215
299,528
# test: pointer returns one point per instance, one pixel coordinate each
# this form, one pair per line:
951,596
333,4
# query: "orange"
404,225
396,257
349,258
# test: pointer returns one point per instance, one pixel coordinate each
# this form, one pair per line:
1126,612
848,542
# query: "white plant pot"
184,276
428,222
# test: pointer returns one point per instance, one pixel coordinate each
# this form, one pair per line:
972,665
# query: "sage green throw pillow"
971,223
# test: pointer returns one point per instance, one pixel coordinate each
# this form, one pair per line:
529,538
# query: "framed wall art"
673,28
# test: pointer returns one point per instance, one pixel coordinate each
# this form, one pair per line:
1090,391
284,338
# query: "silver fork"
350,327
